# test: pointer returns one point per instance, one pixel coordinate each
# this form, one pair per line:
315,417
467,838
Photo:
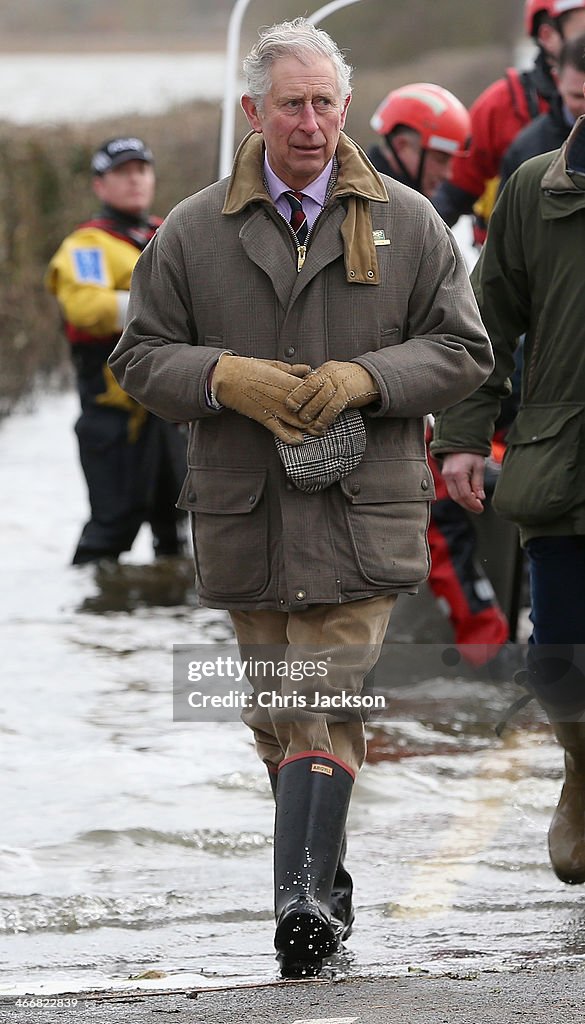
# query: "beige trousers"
348,637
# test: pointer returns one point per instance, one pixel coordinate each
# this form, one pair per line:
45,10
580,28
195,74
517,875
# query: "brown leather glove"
257,388
329,390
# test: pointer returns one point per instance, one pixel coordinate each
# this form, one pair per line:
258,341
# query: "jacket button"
252,499
300,595
290,486
355,489
290,351
192,496
425,485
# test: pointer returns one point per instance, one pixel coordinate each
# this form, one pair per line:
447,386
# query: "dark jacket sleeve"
501,286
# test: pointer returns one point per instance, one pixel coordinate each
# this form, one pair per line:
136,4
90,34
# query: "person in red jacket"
506,106
423,128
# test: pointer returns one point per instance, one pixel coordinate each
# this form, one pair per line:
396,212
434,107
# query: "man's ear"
346,103
551,41
251,111
96,184
400,143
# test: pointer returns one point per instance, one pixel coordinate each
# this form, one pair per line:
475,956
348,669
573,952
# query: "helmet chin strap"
413,182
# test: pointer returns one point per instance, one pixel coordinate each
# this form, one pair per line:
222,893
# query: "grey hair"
298,38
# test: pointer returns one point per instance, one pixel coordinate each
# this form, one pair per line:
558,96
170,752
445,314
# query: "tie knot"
295,199
298,217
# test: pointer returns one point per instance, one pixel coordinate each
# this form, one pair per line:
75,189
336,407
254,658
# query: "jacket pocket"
393,336
387,512
540,478
230,529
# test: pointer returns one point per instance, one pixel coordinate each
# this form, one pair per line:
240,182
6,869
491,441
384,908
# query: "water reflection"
165,583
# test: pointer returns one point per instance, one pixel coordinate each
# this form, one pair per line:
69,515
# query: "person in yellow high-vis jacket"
133,462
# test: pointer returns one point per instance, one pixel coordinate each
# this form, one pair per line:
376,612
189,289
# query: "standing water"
37,88
132,844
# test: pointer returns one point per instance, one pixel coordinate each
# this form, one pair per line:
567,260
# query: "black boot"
312,799
341,895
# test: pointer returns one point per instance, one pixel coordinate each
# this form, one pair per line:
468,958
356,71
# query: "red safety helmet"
534,7
441,120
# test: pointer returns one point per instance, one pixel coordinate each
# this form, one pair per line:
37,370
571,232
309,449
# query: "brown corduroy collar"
357,180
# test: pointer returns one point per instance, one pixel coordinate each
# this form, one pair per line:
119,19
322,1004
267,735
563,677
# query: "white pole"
323,12
228,117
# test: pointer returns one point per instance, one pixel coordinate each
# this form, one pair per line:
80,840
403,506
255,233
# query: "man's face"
436,165
128,188
300,119
570,84
437,168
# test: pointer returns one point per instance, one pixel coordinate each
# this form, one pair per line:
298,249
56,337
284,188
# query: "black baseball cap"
118,151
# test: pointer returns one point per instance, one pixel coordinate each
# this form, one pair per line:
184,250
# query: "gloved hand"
257,388
329,390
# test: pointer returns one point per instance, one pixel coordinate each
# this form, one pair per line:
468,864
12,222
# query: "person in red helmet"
423,127
550,130
505,107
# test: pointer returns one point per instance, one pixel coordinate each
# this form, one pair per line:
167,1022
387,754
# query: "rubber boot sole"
303,939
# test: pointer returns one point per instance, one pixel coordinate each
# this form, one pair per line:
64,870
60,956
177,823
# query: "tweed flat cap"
321,461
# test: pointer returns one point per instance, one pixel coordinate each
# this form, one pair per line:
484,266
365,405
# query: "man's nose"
308,119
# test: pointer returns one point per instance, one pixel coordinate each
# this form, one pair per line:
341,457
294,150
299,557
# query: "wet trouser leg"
557,592
556,673
350,635
131,479
113,467
169,462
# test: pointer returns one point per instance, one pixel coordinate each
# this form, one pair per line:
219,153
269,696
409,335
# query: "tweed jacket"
383,284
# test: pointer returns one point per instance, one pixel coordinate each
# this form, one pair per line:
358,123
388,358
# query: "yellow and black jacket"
90,277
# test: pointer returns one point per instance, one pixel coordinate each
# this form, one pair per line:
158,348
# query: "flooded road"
132,844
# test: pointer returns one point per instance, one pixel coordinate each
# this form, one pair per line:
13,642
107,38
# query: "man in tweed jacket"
230,309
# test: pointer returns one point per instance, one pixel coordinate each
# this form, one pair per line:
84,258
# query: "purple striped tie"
298,217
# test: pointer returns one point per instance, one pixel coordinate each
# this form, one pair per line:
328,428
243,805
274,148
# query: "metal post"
228,119
330,8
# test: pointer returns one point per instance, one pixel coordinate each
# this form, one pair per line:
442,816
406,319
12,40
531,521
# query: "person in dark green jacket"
529,280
